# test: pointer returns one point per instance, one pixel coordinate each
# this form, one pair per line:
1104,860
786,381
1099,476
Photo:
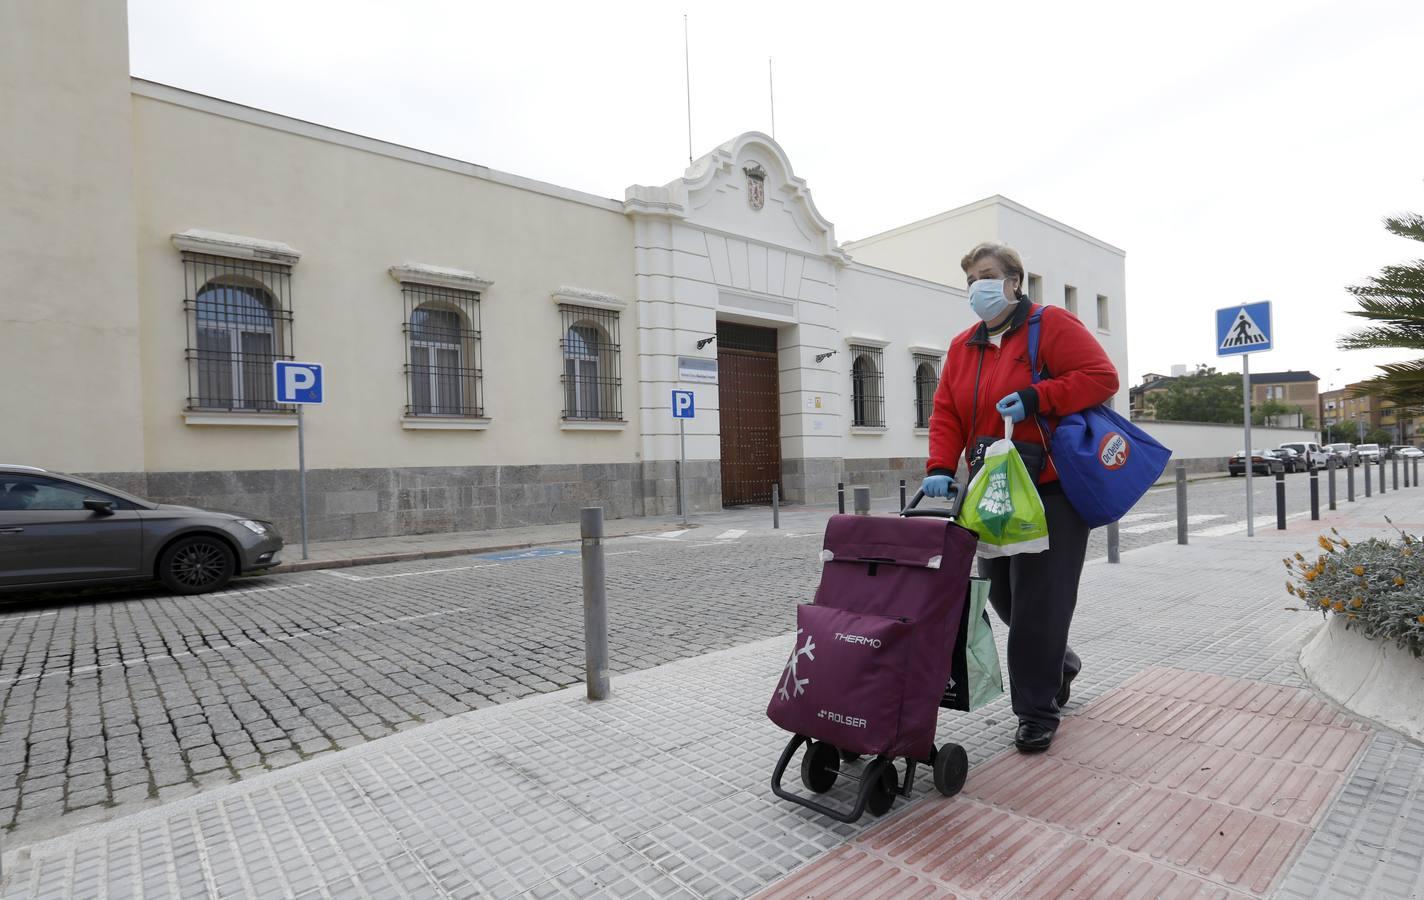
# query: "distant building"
1299,390
1143,397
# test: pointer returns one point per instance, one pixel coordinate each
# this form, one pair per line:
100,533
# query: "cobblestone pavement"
129,698
661,791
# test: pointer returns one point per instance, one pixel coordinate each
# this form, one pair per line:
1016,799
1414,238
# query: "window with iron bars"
867,387
443,374
239,323
926,380
592,376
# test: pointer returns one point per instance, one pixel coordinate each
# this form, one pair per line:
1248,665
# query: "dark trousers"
1035,594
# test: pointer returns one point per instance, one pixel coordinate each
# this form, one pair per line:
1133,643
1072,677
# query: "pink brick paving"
1175,784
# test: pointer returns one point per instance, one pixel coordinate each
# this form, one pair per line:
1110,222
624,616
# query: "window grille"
592,376
926,381
239,323
443,373
867,387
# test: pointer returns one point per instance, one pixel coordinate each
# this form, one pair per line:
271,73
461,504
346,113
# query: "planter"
1373,678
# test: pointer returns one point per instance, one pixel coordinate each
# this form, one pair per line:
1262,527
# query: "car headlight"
252,526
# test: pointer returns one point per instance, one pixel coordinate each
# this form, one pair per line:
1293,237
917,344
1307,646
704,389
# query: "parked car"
1294,461
1410,452
1263,462
1398,450
1313,456
1369,453
1344,454
62,531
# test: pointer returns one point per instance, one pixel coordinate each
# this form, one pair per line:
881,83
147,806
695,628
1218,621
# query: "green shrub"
1377,586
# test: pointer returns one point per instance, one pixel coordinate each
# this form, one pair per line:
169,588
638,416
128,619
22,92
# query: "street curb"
308,565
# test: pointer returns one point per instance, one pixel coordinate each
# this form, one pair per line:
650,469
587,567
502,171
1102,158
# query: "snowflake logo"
792,686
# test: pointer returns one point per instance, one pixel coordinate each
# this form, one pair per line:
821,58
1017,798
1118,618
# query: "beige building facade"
497,351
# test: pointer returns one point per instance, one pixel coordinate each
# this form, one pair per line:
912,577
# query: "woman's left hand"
1013,407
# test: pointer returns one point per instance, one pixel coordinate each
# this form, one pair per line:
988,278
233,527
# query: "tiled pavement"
661,791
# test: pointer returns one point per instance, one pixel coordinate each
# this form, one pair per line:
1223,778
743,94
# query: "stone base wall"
704,486
813,480
357,503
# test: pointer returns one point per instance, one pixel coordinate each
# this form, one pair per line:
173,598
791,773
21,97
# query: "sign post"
684,407
1243,330
299,383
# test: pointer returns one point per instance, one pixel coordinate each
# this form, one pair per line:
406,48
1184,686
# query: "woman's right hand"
937,486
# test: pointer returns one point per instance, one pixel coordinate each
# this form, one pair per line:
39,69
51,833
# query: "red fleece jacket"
1081,375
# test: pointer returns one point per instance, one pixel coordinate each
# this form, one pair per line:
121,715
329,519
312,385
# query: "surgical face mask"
986,298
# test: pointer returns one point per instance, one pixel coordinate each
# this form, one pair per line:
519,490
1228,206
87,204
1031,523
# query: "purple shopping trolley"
873,655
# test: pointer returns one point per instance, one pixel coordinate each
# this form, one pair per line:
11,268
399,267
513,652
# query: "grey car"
61,531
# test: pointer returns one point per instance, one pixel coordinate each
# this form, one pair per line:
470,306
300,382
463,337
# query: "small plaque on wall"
697,369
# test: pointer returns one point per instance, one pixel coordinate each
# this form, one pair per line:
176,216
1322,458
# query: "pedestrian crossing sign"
1243,329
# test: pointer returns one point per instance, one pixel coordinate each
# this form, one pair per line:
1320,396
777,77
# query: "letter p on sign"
298,382
682,405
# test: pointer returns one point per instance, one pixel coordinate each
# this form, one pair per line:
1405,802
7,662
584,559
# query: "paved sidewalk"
661,791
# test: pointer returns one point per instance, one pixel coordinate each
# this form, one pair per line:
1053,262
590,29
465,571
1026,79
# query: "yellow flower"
1338,606
1419,619
1407,553
1299,557
1358,570
1399,581
1325,544
1349,615
1357,603
1290,589
1310,576
1324,602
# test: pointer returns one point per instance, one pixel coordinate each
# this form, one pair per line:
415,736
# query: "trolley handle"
956,500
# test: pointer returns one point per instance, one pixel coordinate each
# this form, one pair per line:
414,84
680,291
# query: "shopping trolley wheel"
883,789
951,767
820,766
847,756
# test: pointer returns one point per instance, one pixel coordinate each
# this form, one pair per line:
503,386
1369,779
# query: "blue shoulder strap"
1033,321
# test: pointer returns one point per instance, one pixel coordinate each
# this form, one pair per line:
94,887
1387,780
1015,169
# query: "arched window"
443,375
239,324
237,344
591,378
926,380
867,389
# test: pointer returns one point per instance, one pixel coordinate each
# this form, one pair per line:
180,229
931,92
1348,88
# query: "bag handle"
1009,427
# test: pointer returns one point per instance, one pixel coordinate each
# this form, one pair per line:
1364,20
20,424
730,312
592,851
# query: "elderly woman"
986,378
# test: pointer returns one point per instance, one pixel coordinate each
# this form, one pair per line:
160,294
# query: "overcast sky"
1236,150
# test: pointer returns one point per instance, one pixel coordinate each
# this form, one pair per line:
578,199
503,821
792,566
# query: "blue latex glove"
1013,407
937,486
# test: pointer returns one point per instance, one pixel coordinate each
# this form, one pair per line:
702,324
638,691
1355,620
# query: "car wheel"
196,565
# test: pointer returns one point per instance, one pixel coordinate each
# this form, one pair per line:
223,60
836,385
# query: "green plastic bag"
975,677
1002,504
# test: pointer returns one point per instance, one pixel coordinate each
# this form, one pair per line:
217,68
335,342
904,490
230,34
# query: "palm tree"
1393,301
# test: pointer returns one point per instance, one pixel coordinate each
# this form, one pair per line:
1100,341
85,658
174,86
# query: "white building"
500,351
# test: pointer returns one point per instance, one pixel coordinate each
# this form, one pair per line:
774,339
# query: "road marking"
342,575
281,587
1163,526
622,552
31,616
1138,517
732,534
1234,527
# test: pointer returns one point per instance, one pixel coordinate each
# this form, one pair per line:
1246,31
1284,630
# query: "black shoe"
1063,692
1033,737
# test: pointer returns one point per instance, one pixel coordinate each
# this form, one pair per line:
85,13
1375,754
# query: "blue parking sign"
683,406
298,382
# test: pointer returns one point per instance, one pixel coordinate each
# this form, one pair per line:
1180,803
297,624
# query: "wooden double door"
750,399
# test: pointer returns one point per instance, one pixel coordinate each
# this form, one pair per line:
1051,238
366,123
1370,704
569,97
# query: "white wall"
69,317
1199,440
910,315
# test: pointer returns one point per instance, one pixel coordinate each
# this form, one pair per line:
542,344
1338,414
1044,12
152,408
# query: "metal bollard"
1368,468
840,497
1406,473
1181,502
1350,481
1281,501
1315,495
861,499
1394,472
1416,471
1382,487
1114,554
1330,467
902,493
677,483
776,506
595,603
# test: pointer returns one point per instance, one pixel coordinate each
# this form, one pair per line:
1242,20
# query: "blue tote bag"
1104,462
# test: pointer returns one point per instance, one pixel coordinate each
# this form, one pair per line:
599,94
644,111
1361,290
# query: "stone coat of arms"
756,185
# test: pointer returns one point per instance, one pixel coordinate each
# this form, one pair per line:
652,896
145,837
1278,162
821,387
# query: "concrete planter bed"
1374,678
